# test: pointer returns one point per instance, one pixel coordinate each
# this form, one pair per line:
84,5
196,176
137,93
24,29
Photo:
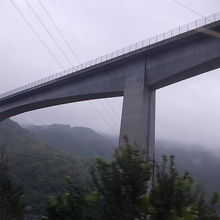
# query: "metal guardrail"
153,40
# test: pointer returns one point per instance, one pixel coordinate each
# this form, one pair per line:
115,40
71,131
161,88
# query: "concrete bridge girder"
182,60
135,76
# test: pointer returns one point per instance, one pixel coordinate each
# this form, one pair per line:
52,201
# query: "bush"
121,191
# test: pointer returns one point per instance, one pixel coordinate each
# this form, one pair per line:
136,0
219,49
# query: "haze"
188,111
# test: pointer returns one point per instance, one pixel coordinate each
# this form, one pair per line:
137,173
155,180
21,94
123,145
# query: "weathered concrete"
186,58
138,113
135,76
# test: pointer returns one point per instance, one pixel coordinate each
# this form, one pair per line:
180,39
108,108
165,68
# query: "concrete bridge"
135,72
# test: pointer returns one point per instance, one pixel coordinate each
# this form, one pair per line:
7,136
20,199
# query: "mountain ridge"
40,166
80,141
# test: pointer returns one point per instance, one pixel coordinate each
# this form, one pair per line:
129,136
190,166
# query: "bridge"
135,72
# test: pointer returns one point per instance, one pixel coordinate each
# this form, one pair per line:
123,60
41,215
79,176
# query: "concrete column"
138,116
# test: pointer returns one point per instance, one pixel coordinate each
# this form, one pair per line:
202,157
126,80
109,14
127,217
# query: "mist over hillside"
79,141
40,157
198,160
202,164
39,168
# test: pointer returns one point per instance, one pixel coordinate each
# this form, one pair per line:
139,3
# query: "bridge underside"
135,76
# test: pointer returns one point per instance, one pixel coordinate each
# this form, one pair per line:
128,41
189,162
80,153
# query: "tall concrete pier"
135,72
138,113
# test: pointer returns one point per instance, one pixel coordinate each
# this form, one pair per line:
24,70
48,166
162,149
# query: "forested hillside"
41,156
202,164
38,167
79,141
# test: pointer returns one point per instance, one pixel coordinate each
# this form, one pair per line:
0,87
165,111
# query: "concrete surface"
135,76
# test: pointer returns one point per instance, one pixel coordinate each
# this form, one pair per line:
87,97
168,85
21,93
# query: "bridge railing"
201,23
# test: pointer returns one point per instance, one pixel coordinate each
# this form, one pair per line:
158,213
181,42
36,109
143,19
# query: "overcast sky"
187,111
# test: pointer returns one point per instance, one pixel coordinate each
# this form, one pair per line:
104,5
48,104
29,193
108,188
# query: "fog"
188,111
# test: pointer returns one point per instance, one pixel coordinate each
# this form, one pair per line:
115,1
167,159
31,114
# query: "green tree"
11,205
77,204
121,191
68,207
175,197
122,183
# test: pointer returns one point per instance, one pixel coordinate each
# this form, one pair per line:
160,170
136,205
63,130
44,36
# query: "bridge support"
138,116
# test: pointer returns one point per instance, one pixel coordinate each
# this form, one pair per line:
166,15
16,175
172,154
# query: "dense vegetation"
78,141
37,167
11,204
40,167
121,191
202,164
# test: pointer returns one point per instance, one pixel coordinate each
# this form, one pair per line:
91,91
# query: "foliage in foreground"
121,191
122,184
175,197
11,206
118,192
76,204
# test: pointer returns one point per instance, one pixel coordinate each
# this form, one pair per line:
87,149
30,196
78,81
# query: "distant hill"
39,168
202,164
41,156
79,141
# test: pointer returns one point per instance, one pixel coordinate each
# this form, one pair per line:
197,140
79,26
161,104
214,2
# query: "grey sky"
189,110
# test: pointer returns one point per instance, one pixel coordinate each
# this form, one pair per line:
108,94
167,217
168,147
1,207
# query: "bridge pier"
138,116
134,73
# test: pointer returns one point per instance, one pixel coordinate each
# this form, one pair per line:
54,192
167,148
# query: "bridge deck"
136,49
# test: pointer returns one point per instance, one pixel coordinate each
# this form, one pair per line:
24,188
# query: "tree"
122,183
175,197
11,205
121,191
77,204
